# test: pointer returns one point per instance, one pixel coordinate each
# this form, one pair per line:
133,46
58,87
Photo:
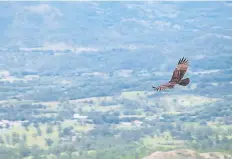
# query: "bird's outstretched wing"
180,70
168,85
175,76
182,66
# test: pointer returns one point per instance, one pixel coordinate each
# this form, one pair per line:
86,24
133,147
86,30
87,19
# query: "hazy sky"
200,31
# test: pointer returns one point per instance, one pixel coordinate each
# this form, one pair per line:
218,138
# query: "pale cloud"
215,35
215,84
13,79
199,57
176,26
50,14
161,73
155,9
61,47
44,9
162,24
124,73
217,27
99,74
205,72
157,24
132,47
193,86
139,21
66,82
40,9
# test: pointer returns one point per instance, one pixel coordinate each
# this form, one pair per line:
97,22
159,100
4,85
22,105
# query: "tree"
49,142
7,139
24,138
15,138
64,155
38,131
7,125
67,131
36,125
24,151
49,130
1,140
25,125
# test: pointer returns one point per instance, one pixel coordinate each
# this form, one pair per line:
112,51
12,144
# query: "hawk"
177,76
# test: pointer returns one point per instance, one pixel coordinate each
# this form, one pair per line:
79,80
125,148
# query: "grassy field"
32,137
164,142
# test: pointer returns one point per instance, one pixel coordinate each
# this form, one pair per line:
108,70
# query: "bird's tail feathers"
184,82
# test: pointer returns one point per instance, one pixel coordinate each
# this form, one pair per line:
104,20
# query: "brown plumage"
177,76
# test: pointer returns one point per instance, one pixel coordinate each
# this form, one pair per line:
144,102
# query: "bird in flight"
177,76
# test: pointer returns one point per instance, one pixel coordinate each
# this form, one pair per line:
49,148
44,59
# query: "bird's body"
177,77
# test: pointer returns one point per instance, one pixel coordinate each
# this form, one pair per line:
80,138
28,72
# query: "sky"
201,31
94,26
